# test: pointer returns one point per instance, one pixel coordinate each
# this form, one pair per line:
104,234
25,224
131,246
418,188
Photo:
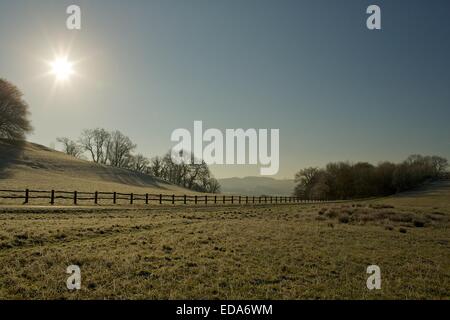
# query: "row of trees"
342,180
104,147
193,176
117,150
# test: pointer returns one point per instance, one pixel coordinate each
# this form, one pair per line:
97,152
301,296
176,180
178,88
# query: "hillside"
433,195
256,186
34,166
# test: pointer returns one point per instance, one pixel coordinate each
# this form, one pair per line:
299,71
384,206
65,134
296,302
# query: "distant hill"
33,166
256,186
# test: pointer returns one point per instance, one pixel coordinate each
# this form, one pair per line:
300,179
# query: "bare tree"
139,163
440,165
14,123
96,142
71,147
305,180
212,186
156,167
120,148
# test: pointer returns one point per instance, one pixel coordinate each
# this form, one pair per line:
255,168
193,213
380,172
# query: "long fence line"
77,197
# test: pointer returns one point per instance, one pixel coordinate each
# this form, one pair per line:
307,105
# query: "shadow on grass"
10,152
105,173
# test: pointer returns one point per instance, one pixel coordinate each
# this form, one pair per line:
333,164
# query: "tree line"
115,149
343,180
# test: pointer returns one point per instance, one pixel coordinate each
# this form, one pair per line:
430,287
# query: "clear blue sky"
336,90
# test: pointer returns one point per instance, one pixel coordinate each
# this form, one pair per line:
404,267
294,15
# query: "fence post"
131,198
206,199
184,199
52,197
253,199
215,199
224,199
75,195
114,198
160,198
232,199
246,199
259,199
270,199
27,195
146,198
173,199
96,197
195,200
239,199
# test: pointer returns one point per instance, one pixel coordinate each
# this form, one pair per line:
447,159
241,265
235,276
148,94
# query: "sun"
62,68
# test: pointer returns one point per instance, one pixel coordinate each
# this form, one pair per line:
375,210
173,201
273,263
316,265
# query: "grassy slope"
276,252
434,195
37,167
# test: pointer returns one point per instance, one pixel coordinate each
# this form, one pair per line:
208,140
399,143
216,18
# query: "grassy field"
231,252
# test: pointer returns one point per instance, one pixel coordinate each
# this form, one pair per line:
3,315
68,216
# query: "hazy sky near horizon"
312,69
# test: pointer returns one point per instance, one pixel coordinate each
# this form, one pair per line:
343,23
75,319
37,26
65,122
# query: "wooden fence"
76,197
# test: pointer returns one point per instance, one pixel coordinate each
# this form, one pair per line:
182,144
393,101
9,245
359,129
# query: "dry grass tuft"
381,214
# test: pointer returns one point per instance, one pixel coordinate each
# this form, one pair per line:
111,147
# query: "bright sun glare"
62,68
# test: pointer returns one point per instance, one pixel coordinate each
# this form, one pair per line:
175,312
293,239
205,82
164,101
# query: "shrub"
344,218
381,206
419,223
401,217
332,212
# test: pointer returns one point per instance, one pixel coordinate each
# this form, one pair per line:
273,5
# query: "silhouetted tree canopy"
70,147
196,177
343,180
14,122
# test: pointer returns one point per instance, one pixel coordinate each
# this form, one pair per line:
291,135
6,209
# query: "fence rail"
77,197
